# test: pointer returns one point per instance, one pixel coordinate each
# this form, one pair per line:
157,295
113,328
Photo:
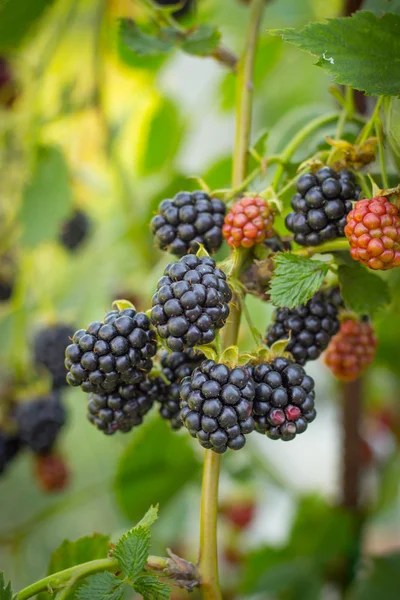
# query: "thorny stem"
208,564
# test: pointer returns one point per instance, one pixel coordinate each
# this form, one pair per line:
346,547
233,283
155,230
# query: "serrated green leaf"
102,586
152,588
201,41
358,50
132,551
17,18
296,279
163,460
362,291
5,590
140,42
149,518
47,197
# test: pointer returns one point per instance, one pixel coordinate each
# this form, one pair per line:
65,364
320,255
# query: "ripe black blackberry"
186,221
74,230
191,302
124,409
175,367
321,205
49,350
39,422
284,399
216,405
310,327
117,351
188,5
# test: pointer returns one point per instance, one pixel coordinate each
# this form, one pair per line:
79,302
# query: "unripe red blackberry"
175,367
50,344
39,422
216,405
320,206
239,512
351,350
284,399
248,222
186,221
51,472
373,230
117,351
74,230
123,409
191,302
310,327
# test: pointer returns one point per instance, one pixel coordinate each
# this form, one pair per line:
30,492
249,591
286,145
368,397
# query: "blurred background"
90,131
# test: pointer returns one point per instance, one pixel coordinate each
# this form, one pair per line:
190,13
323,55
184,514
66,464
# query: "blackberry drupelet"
186,221
175,367
191,302
321,205
284,399
373,230
50,344
216,405
74,230
111,353
39,422
310,327
124,409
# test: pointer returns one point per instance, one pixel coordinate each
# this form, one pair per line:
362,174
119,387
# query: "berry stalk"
208,563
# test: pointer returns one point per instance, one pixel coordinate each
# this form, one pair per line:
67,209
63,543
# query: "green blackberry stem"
208,563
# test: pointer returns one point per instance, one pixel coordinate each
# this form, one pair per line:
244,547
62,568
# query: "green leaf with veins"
132,551
152,588
5,590
102,586
201,41
362,291
296,279
362,51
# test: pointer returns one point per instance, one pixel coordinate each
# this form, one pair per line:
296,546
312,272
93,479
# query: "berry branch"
208,566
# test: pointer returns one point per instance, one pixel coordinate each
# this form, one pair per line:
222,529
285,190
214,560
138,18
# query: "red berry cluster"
249,222
351,350
373,230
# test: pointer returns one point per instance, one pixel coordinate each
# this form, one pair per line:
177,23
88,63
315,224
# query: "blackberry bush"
284,399
191,303
310,327
117,351
216,405
50,344
39,422
320,206
74,230
175,367
186,221
122,410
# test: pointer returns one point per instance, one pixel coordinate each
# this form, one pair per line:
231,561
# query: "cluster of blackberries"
284,399
187,220
217,405
74,230
175,367
191,302
49,351
321,205
111,361
310,327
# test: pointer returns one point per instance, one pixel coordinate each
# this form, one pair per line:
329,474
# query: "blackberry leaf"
296,279
201,41
149,518
132,551
151,588
102,586
362,291
341,50
5,590
141,43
